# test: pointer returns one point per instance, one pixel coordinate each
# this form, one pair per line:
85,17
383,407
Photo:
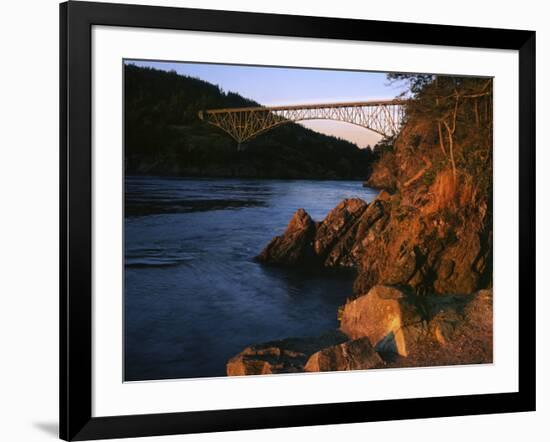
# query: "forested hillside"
164,136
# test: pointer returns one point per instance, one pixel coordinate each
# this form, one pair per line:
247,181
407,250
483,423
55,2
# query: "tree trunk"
451,145
441,142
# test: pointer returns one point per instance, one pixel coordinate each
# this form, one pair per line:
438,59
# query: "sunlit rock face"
387,317
336,225
351,355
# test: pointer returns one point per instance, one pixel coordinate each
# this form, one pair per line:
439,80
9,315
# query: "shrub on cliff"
448,126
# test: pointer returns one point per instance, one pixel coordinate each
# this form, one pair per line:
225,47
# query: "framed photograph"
273,220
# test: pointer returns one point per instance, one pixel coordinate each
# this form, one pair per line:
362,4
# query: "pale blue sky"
271,86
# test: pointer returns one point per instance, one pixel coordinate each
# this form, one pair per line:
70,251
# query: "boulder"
283,356
387,316
352,355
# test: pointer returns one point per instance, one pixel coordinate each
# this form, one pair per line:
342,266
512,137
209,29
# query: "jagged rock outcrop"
339,222
348,251
295,245
327,243
426,248
357,354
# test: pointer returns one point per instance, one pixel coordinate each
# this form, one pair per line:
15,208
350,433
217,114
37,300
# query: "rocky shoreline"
421,251
386,328
417,298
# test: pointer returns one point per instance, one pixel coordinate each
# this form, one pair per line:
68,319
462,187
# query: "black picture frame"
76,21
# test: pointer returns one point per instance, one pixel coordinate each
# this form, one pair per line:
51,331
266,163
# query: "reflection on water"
194,297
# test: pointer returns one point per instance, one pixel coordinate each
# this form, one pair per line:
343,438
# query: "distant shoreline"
215,177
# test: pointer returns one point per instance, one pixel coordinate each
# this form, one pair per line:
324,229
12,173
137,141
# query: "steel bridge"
383,117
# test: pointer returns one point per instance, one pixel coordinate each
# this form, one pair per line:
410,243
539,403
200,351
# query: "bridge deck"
307,106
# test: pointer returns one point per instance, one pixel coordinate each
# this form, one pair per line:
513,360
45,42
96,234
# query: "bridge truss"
383,117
